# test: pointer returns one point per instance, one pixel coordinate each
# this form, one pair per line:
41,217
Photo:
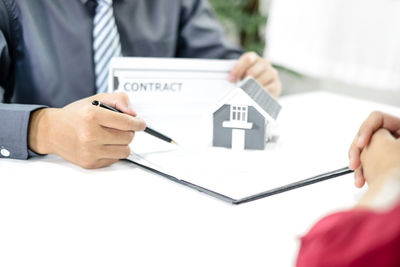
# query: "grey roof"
268,103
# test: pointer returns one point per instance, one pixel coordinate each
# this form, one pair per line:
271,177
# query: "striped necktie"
106,44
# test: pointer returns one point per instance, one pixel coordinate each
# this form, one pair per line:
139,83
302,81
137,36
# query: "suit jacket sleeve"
14,118
201,35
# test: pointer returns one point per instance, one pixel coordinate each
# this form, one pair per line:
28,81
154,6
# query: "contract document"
177,97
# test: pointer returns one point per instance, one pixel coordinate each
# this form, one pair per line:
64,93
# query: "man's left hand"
251,64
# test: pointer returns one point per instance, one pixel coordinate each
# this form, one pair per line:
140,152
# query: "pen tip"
175,143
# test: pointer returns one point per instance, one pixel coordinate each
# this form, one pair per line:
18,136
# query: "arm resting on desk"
14,121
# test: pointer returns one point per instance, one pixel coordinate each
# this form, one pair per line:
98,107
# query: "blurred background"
344,46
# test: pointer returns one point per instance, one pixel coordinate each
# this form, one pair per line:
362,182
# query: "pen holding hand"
83,134
147,129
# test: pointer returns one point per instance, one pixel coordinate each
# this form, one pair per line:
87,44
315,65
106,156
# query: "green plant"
244,15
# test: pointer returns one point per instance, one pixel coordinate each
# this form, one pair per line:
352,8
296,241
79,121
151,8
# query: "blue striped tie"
106,44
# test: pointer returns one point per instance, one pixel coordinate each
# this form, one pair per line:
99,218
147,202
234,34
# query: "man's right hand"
84,134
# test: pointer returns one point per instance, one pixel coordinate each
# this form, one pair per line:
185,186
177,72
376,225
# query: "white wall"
355,41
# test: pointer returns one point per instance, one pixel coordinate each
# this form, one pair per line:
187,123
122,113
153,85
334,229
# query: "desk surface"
53,213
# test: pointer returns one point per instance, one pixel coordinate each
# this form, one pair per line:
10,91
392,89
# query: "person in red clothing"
369,234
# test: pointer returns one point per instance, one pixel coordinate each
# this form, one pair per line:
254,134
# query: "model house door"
238,139
239,115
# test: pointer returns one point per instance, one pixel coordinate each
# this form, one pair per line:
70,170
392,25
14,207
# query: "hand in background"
87,135
251,64
374,122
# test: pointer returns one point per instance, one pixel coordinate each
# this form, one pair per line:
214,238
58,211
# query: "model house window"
239,113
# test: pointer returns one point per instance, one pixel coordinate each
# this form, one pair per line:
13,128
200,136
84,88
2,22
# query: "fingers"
118,100
250,64
274,88
382,134
355,164
261,71
375,121
111,119
244,63
359,179
102,156
354,155
115,151
125,121
382,138
104,163
111,136
358,156
101,163
369,126
91,136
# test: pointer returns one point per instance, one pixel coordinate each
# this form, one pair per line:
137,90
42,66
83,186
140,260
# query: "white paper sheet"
239,174
186,117
188,91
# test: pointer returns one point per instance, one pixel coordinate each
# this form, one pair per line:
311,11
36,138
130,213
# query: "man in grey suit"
49,70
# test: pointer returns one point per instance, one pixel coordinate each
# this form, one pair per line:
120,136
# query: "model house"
243,118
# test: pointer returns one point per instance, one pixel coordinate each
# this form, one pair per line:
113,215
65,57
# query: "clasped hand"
375,151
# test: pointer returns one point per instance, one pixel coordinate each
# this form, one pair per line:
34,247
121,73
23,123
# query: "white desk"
53,213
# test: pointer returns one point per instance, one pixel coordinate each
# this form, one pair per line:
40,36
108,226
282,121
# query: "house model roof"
251,92
263,99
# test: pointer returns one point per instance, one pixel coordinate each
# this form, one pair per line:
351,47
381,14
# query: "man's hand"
87,135
374,122
251,64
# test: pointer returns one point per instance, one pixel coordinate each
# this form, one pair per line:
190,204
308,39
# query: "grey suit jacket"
46,56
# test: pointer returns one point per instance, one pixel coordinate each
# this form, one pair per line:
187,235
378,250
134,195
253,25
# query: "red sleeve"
353,238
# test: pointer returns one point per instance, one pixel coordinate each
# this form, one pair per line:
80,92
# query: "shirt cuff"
14,119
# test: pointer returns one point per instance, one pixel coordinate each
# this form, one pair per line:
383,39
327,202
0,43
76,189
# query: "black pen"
147,130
